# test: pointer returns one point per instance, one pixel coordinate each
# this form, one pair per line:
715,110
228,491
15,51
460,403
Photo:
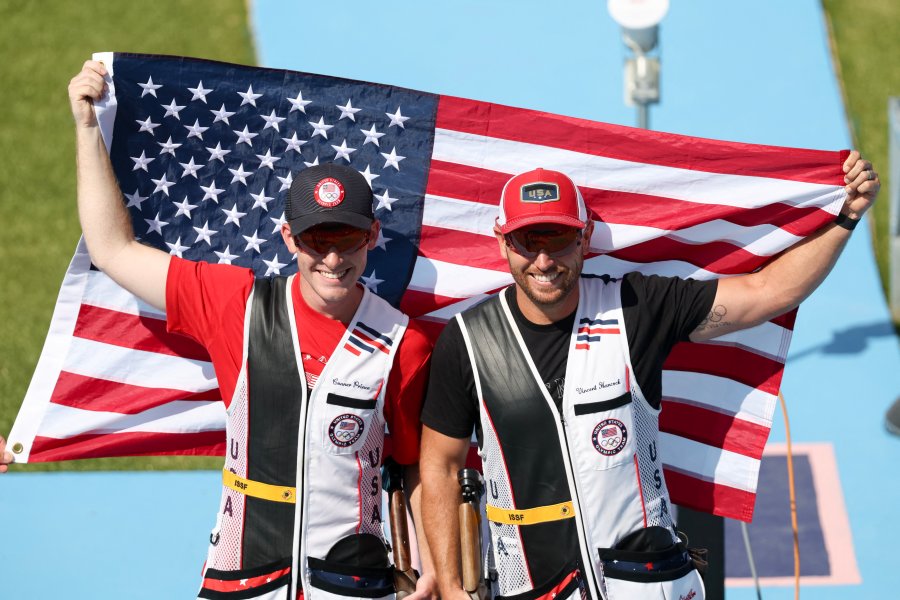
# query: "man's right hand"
5,457
105,221
87,87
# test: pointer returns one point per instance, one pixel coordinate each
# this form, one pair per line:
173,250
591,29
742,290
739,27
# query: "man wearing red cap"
560,376
310,367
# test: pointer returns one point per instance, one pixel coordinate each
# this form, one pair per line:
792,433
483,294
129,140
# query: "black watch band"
846,222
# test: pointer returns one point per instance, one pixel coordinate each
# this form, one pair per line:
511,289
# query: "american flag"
204,153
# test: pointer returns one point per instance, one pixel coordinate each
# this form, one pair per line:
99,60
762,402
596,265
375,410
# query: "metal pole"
641,78
745,533
643,118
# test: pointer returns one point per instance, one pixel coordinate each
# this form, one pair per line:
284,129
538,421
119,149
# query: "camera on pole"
639,20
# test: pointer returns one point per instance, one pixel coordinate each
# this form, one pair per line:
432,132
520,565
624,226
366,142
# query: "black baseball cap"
328,193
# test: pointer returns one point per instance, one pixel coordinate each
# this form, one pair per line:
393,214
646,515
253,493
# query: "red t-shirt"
207,303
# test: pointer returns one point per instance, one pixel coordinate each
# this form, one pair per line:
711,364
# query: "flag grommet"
18,448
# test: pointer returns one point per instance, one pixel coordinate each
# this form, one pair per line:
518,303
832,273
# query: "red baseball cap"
541,196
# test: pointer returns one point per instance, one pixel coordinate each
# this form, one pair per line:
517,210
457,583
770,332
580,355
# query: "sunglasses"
320,240
555,242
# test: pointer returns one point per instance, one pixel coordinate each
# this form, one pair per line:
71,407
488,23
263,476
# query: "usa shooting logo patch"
345,430
609,437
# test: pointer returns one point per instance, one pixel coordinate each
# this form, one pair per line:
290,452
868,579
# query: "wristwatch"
846,222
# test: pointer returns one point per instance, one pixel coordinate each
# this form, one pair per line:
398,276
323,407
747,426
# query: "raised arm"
105,221
441,459
789,278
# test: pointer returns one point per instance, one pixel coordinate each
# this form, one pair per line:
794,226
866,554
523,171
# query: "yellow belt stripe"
530,516
257,489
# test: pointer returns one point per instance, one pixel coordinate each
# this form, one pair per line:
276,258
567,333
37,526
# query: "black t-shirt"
658,312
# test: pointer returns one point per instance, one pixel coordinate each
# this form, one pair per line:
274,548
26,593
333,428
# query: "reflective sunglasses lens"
554,242
342,239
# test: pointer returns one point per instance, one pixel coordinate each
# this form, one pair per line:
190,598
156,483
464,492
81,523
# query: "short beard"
570,281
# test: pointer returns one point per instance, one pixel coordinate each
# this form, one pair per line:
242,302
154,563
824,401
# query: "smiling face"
546,281
329,272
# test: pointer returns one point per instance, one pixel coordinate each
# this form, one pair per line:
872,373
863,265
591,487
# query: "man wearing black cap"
310,367
560,376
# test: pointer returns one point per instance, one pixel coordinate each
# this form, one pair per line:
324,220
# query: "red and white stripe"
668,205
113,382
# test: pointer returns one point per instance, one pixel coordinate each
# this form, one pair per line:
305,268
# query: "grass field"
44,45
866,40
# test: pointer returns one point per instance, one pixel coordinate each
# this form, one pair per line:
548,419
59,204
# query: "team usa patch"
345,430
539,192
590,330
365,338
329,192
610,437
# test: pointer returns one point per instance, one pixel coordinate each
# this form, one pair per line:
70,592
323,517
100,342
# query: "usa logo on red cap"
329,192
540,191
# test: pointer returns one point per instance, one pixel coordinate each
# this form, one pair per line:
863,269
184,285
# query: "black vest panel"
525,426
275,399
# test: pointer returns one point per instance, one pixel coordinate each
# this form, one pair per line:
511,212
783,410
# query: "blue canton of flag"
205,156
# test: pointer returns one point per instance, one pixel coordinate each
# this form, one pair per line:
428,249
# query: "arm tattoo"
715,318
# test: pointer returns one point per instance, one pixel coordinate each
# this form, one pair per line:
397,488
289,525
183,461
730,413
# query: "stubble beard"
558,295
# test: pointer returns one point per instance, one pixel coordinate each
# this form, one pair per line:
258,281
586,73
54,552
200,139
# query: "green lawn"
866,38
43,45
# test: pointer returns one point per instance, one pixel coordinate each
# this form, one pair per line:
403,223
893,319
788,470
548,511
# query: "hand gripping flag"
204,153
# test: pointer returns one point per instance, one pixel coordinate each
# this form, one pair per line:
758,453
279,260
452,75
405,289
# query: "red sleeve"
198,294
405,393
207,303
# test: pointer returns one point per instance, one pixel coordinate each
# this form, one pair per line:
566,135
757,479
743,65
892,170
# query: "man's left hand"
862,185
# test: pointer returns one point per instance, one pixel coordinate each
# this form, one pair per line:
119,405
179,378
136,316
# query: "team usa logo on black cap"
609,437
329,192
345,430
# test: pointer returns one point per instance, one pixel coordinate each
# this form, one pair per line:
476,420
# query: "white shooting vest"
301,497
564,490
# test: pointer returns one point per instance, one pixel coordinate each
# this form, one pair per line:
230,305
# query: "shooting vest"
576,502
301,498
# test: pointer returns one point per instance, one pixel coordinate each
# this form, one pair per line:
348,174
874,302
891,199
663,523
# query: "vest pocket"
647,564
604,432
356,567
264,581
346,422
